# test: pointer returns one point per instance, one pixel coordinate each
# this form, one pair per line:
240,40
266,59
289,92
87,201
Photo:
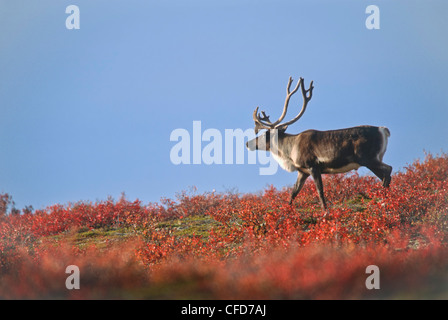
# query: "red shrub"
240,246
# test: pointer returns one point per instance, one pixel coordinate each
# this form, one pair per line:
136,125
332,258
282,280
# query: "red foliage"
250,246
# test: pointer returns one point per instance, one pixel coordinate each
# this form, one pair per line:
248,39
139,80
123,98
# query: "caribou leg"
316,174
382,171
298,185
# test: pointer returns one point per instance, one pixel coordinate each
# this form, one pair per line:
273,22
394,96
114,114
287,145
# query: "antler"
288,96
260,123
263,122
307,95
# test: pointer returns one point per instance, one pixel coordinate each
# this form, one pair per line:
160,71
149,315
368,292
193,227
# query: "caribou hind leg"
317,177
301,178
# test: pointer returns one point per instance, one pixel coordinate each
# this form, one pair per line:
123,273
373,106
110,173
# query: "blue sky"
86,114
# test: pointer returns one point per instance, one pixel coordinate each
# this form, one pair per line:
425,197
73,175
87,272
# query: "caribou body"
313,152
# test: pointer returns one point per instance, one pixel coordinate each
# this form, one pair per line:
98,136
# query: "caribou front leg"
301,178
298,185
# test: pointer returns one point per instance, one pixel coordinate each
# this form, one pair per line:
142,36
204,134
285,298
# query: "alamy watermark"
213,146
72,22
373,280
73,280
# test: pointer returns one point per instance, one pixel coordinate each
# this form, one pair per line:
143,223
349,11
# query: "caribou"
314,152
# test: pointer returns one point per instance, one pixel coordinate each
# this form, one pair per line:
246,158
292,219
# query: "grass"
85,237
191,226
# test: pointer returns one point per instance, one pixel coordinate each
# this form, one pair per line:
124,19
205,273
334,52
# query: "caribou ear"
282,129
